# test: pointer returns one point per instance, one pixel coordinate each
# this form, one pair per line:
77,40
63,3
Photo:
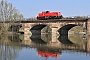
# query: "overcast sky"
30,8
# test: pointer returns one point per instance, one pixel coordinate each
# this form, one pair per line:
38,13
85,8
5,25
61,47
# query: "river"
15,47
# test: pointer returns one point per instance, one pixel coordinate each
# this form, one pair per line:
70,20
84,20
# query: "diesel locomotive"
49,15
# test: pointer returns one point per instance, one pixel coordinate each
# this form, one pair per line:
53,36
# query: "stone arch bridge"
62,26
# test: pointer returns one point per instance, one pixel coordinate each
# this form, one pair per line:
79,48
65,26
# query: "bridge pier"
27,37
88,44
88,27
27,31
27,42
54,34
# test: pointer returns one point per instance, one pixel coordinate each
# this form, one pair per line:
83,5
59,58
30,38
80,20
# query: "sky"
30,8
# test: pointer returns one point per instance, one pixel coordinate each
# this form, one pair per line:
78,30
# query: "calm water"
44,47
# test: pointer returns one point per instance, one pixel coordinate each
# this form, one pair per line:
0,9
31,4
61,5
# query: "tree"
9,13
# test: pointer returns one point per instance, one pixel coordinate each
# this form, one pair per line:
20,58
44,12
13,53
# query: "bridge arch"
38,26
36,29
14,28
37,35
64,30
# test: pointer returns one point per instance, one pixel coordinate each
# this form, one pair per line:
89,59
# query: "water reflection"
64,39
11,45
40,39
14,38
48,54
8,49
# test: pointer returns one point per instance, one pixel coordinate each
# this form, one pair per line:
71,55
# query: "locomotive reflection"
48,54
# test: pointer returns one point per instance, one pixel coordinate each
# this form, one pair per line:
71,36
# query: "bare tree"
9,13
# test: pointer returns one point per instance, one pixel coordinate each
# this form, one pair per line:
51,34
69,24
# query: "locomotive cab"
47,11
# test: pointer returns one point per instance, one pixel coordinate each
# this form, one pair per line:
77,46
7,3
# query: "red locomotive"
49,15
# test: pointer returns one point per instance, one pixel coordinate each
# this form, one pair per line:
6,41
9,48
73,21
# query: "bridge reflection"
64,39
44,45
45,38
74,42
